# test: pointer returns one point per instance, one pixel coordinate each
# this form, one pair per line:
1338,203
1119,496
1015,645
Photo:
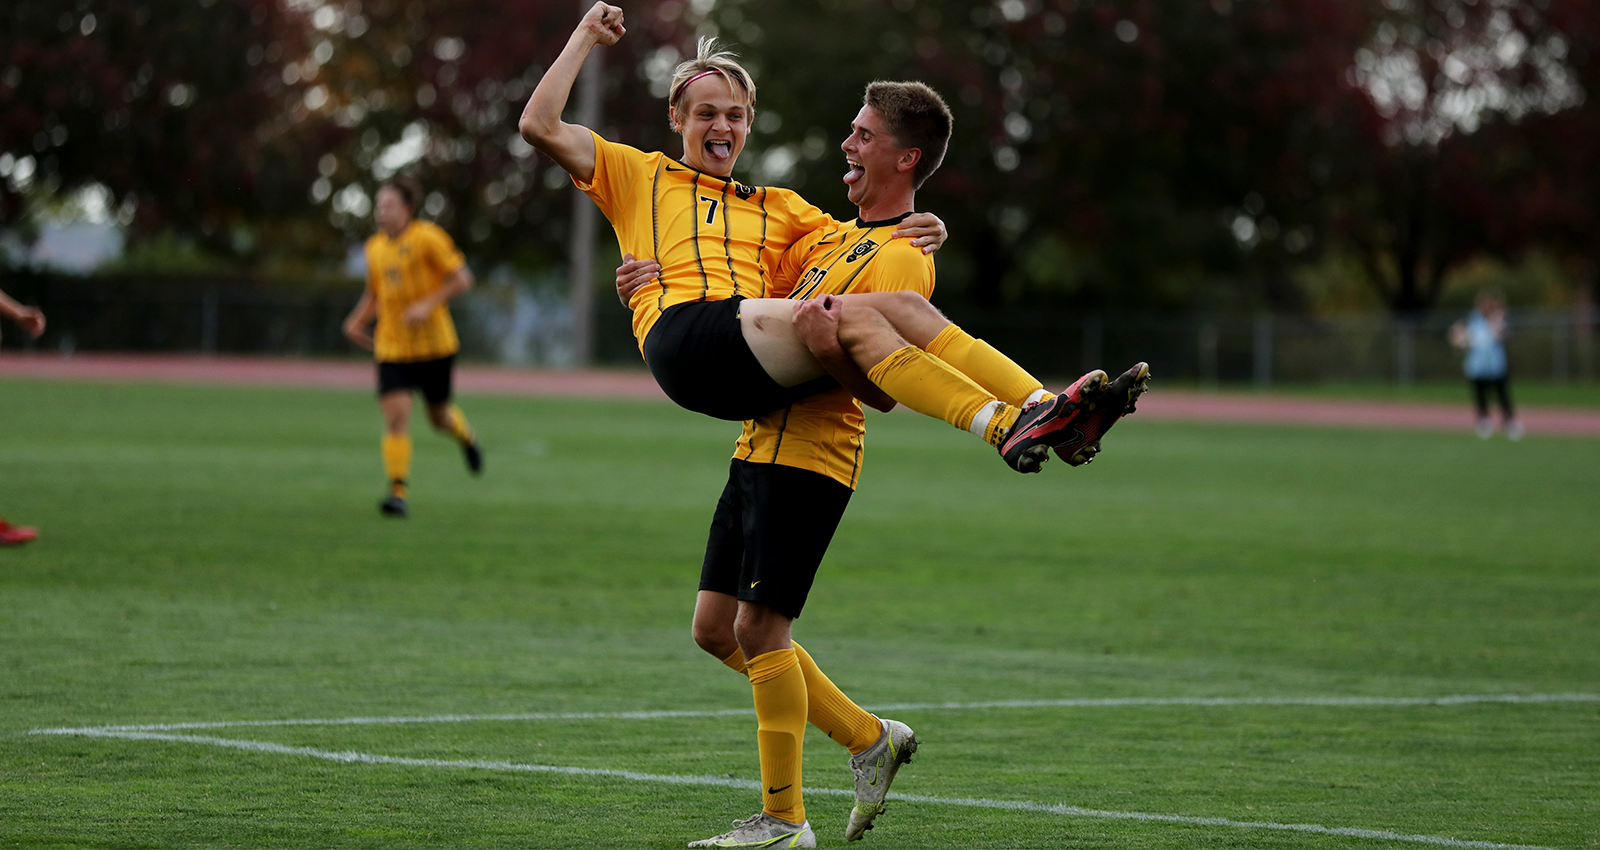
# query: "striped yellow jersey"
401,270
825,432
714,238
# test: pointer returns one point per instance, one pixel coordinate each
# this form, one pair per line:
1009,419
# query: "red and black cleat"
1116,402
1053,424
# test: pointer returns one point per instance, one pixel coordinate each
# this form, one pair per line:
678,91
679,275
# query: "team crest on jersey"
864,248
744,192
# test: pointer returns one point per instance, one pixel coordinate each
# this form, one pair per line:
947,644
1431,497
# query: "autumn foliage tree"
1158,155
183,111
1188,155
435,87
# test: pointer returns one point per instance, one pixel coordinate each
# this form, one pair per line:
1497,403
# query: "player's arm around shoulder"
925,230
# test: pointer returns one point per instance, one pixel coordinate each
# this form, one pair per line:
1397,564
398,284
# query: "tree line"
1150,155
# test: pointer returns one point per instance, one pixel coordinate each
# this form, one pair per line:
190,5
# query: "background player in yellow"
413,270
712,339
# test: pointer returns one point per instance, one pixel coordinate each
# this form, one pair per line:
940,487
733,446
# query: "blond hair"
710,58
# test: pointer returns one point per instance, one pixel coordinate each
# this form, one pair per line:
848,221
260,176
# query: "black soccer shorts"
772,526
432,378
698,355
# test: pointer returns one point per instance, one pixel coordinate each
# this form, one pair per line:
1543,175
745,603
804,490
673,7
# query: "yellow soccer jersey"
714,238
400,271
824,433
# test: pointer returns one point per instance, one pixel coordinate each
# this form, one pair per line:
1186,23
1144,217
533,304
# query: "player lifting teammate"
795,469
716,343
413,270
791,478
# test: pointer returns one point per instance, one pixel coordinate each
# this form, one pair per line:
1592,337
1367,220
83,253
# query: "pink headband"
682,88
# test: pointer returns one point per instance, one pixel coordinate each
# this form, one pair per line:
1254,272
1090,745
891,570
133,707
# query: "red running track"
1160,404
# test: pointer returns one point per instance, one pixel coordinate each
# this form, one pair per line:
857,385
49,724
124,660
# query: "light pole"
584,220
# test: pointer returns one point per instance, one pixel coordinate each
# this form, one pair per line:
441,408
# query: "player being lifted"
413,270
714,340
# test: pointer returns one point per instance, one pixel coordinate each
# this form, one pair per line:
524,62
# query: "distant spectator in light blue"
1482,334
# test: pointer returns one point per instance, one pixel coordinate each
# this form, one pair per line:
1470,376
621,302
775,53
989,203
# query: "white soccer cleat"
763,830
875,768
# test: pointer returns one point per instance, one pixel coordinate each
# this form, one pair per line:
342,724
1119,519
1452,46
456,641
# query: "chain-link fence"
512,320
503,319
1555,344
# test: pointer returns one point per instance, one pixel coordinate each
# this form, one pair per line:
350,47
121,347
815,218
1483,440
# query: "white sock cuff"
980,422
1036,395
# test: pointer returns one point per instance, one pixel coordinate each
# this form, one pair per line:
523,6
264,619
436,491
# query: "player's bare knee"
716,640
867,336
760,629
905,303
859,322
913,317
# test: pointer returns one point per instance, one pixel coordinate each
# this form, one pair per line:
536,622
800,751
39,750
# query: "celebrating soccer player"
716,343
796,467
794,470
413,270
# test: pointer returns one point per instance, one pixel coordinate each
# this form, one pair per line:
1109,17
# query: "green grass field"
214,555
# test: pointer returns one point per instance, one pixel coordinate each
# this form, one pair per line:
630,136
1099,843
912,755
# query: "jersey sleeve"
618,169
799,216
805,216
901,268
442,254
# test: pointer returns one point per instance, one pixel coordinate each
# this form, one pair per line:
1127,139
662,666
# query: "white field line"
348,757
1111,702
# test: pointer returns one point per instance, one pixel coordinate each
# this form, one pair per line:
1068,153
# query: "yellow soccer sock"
993,421
827,707
830,710
397,460
459,427
779,686
985,365
932,387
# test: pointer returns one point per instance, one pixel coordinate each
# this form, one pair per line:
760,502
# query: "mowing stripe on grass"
1107,702
349,757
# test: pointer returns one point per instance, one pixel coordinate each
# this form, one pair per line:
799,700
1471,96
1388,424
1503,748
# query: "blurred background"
1250,191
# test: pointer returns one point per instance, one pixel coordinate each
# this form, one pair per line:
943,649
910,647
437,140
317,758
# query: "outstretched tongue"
719,150
854,174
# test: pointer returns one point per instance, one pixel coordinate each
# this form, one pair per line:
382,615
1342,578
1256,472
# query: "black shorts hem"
699,357
770,532
432,378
